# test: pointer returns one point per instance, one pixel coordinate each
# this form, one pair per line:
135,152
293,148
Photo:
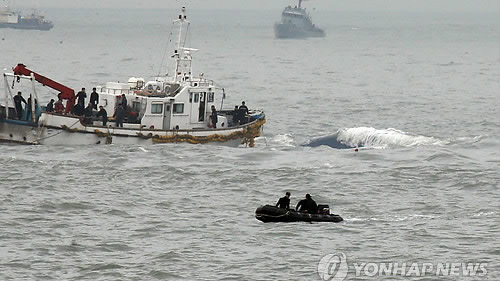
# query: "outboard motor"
323,209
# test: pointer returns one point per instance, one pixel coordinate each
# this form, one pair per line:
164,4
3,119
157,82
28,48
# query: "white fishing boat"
168,109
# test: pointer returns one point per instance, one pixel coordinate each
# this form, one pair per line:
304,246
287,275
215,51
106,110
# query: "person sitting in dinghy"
307,205
284,202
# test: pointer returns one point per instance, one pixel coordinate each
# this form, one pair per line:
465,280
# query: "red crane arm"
65,92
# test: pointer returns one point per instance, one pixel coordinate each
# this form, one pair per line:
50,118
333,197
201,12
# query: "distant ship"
296,23
10,19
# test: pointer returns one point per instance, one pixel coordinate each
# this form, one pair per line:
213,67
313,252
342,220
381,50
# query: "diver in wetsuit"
284,202
307,205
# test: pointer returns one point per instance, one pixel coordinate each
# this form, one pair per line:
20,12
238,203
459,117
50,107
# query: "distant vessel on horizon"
11,19
296,23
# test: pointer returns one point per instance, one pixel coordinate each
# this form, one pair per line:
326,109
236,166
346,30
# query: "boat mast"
182,62
181,20
300,3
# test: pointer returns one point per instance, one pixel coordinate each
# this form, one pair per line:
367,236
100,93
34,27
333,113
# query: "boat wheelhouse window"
210,97
167,107
136,105
190,97
157,108
178,108
196,98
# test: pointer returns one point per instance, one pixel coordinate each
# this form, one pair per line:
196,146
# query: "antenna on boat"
181,54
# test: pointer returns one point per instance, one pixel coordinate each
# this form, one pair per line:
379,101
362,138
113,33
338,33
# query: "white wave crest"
371,137
283,139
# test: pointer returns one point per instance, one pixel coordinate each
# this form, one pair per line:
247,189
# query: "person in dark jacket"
50,106
243,108
236,116
213,117
307,205
81,97
102,113
119,115
284,202
28,108
124,103
242,112
88,110
78,109
94,98
18,100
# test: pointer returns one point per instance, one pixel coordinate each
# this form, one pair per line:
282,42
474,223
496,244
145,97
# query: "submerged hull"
284,31
53,129
44,27
270,213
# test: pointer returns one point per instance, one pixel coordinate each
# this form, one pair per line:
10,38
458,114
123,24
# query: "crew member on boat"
119,115
124,103
236,116
59,106
213,117
78,109
243,111
50,106
284,202
28,110
18,100
104,114
88,113
307,205
94,98
81,97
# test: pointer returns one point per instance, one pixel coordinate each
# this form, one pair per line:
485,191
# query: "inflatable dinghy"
270,213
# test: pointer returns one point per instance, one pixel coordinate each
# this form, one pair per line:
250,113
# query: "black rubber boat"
268,213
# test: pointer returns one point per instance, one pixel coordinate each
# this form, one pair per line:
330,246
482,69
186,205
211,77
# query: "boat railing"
200,82
10,96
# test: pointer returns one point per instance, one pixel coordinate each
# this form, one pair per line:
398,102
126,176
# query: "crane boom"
66,93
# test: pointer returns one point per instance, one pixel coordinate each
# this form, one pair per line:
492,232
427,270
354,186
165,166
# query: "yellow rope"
248,134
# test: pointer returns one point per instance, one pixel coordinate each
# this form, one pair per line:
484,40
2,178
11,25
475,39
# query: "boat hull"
43,27
270,213
284,31
55,129
21,132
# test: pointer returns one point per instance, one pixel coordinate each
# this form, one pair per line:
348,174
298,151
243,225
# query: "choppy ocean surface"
418,93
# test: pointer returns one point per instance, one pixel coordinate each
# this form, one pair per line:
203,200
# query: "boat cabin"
164,105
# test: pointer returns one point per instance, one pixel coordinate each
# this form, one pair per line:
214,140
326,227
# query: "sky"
335,5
